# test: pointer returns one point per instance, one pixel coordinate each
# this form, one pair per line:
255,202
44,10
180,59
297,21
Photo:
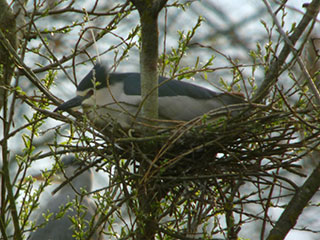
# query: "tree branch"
303,68
149,11
277,63
295,207
8,27
148,203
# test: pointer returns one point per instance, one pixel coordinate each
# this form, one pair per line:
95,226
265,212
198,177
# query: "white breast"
107,106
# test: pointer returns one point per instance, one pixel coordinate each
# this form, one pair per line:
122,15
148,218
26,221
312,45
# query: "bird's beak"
72,103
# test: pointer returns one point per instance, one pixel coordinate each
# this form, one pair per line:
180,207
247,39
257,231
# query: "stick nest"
246,146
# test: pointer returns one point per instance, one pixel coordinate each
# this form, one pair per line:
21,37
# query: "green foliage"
174,59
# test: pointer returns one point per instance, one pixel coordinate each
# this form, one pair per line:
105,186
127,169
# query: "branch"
295,207
147,222
303,68
27,71
277,63
8,201
300,200
148,11
8,27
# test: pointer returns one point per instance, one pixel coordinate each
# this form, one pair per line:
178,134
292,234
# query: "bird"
116,97
61,227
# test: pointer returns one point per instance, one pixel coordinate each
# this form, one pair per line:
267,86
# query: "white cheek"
100,97
105,106
112,96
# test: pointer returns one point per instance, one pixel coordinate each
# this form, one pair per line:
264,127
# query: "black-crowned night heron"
61,226
108,96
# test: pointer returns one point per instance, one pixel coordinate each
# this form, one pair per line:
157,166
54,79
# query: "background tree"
204,180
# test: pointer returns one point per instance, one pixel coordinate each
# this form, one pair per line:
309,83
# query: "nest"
246,147
204,163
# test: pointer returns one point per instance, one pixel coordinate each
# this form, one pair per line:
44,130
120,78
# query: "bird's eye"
89,93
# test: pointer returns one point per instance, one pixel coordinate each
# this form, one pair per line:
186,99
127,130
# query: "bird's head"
89,88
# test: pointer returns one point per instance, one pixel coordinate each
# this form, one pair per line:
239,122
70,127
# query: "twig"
304,70
277,63
295,207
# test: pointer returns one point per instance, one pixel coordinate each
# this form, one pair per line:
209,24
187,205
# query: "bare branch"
278,62
295,207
